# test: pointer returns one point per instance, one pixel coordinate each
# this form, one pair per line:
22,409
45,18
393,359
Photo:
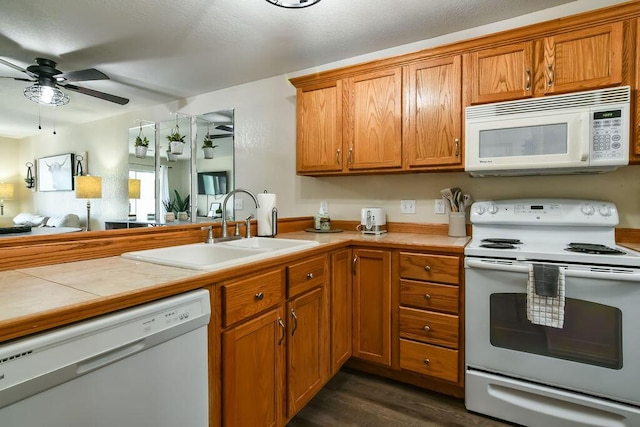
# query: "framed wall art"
55,173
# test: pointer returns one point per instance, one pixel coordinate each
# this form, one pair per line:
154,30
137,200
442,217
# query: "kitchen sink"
208,257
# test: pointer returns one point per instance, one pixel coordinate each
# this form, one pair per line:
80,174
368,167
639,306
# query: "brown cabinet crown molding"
527,33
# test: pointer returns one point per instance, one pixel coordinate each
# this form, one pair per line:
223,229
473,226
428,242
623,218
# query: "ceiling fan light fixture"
293,4
46,95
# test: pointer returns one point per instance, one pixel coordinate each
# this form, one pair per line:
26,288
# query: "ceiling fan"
47,80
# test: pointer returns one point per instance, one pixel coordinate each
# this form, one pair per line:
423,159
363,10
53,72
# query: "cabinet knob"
309,276
427,361
427,328
427,297
259,296
427,268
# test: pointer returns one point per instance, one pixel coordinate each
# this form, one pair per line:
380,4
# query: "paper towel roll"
267,202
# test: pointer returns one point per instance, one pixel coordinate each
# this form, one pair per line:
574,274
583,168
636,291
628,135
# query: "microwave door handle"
585,125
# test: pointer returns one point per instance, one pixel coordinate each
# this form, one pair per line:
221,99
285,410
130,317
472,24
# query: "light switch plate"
408,206
237,204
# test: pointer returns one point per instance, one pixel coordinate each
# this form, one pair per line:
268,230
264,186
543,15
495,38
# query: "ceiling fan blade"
17,78
97,94
82,75
15,67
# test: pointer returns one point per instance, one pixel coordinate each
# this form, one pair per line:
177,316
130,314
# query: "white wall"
265,155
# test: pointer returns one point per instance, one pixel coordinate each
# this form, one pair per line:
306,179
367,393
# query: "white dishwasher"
141,367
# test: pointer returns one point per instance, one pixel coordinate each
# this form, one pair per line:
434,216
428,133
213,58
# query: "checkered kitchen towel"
546,279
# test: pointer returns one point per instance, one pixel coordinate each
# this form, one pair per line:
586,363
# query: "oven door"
596,351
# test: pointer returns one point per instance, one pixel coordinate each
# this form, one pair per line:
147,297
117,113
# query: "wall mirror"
142,172
214,161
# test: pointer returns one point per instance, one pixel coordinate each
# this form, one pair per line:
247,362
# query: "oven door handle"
514,268
626,276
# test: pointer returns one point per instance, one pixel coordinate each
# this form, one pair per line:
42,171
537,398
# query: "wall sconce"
6,193
88,187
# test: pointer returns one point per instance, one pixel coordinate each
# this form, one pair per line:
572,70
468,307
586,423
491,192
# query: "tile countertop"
29,295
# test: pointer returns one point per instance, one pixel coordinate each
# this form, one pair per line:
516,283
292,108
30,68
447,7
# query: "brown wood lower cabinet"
341,301
429,360
253,372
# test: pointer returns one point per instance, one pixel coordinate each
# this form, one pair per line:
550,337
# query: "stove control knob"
605,210
492,209
587,209
478,209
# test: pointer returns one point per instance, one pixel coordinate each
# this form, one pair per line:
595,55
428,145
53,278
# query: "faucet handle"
247,223
236,231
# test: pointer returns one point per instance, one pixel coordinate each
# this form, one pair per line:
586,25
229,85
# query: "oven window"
592,333
524,141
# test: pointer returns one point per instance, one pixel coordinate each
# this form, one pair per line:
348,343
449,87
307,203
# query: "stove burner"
505,241
498,245
591,248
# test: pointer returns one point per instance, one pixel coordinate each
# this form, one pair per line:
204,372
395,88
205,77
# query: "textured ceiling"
156,52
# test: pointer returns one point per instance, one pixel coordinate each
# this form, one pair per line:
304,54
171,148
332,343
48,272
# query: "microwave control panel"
607,135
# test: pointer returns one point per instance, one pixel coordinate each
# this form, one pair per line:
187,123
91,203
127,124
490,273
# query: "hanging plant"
207,147
141,144
176,140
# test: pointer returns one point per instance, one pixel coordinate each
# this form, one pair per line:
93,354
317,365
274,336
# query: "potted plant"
207,147
181,206
169,207
141,144
176,141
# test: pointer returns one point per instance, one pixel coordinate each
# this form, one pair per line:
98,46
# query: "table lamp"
134,193
88,187
6,193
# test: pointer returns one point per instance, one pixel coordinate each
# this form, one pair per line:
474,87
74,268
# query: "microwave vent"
600,97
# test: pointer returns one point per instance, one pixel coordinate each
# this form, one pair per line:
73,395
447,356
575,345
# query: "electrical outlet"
324,206
440,207
408,206
237,204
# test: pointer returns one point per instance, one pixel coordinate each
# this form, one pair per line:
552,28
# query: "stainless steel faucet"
224,207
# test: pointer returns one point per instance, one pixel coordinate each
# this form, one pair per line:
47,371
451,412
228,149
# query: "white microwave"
583,132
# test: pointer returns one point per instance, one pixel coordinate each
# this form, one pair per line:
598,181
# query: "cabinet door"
373,120
582,60
502,73
308,348
341,296
372,306
433,121
253,371
319,128
635,151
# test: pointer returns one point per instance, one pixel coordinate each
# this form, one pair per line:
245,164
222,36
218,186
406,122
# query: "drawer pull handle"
427,296
309,276
427,268
427,328
259,296
427,361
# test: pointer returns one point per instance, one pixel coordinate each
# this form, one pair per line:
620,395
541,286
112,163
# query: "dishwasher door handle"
110,356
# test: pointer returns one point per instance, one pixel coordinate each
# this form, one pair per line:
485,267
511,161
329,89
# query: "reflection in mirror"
214,162
174,169
142,168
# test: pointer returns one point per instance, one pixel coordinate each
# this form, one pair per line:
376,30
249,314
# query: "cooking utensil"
467,200
447,193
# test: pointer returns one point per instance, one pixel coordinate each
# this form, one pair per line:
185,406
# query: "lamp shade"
134,188
6,191
88,187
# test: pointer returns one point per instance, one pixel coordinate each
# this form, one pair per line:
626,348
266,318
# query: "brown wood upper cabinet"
373,120
433,115
574,61
319,128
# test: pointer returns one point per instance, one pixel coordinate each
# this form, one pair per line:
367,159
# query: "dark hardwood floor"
353,398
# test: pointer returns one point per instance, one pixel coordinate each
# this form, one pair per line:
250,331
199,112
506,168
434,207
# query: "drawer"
307,274
432,268
429,327
429,360
430,296
244,298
